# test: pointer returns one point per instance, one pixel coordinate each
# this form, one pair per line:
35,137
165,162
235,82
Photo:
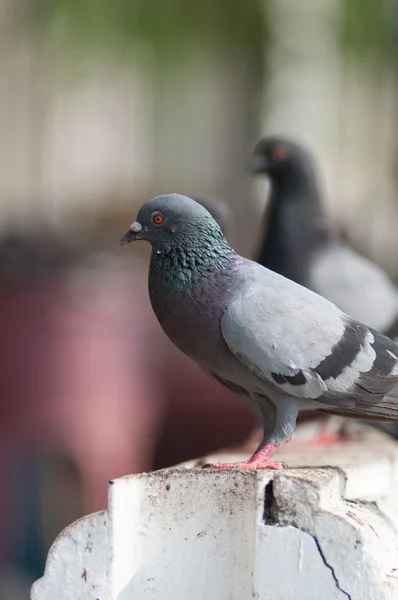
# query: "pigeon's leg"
279,427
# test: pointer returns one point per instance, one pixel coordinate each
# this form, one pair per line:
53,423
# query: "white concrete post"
325,533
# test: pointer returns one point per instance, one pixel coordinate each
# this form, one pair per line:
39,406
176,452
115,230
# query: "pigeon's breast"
190,315
191,319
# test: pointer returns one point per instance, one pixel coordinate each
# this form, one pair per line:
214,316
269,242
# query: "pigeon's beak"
132,234
259,164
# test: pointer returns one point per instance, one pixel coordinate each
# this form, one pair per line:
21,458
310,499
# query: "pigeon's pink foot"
246,465
259,460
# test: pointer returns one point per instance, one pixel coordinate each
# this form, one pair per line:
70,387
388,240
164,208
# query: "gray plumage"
301,244
259,333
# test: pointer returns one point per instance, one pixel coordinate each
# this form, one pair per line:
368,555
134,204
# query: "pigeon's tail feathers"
358,415
374,393
385,410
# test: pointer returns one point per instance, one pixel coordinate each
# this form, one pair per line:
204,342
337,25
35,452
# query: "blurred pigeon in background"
302,245
259,333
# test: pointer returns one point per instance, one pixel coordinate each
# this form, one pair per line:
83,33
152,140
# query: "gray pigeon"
219,210
302,245
259,333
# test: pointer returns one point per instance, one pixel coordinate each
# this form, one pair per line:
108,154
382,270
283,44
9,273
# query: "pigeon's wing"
356,285
307,348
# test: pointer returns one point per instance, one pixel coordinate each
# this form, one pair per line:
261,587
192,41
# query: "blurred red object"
87,371
76,362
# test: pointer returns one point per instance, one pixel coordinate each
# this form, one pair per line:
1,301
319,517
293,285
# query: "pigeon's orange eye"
280,152
157,218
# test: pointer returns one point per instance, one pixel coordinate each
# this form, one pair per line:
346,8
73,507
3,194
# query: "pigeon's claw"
258,464
219,466
247,465
259,460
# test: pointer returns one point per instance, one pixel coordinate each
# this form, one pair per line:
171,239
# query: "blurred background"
102,106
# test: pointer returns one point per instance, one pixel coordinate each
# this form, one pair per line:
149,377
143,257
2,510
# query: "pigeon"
302,245
262,335
219,210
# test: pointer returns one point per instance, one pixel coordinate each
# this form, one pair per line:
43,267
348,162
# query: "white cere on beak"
136,227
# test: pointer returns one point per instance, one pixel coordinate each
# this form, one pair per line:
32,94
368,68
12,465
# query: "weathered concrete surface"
76,566
302,533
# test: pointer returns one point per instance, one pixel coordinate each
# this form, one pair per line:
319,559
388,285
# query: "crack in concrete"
270,518
325,562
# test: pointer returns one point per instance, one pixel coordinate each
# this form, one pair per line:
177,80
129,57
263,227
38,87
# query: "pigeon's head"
170,217
220,211
277,157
